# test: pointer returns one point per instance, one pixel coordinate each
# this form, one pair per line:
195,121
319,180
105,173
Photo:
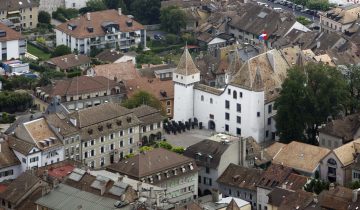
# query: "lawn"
37,52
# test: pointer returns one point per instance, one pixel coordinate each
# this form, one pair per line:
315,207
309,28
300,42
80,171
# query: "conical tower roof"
186,65
232,206
258,82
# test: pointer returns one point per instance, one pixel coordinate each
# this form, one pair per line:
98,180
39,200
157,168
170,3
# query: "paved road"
295,12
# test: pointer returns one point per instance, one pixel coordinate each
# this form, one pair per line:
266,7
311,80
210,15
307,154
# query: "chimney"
88,17
331,186
65,60
76,57
315,198
262,155
216,195
102,187
318,44
355,195
119,11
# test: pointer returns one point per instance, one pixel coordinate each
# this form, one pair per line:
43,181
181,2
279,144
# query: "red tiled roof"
152,86
10,34
96,19
61,172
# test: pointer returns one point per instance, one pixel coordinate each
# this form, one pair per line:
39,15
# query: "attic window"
129,23
151,180
175,171
2,33
90,29
183,169
100,127
191,167
71,26
118,122
90,131
167,174
128,119
262,14
158,176
108,125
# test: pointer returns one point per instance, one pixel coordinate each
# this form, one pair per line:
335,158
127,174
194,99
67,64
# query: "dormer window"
2,33
100,127
109,125
191,167
71,26
175,172
183,169
90,131
128,119
90,29
151,180
159,176
118,122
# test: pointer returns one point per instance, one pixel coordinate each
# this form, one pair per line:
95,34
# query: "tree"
303,20
61,50
316,186
172,19
163,144
143,97
309,96
146,11
95,5
145,148
179,150
352,76
14,101
44,17
115,4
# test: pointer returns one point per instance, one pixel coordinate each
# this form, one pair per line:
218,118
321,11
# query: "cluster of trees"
146,11
14,101
316,185
7,118
322,5
173,19
19,82
313,94
148,57
143,97
61,50
62,14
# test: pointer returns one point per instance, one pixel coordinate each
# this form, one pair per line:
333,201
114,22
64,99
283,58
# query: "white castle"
245,106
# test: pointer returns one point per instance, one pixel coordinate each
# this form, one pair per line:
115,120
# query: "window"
85,144
34,159
92,153
356,175
211,116
112,136
202,98
121,143
111,146
199,179
131,151
210,181
227,104
229,191
240,94
131,141
130,130
211,100
238,107
92,142
168,103
267,134
207,170
238,119
258,114
23,160
269,108
238,131
227,127
144,129
229,91
121,133
85,154
269,121
102,139
227,116
234,94
168,110
102,161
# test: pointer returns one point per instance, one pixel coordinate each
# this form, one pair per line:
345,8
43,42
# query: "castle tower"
184,77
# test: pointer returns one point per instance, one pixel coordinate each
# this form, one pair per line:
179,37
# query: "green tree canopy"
308,97
140,98
352,76
115,4
316,186
14,101
44,17
172,19
146,11
163,144
61,50
95,5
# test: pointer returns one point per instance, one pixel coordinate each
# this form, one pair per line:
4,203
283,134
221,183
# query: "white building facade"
243,108
12,44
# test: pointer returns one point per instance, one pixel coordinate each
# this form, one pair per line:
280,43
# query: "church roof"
186,65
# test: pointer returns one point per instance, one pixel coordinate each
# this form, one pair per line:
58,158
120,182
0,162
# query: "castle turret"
185,77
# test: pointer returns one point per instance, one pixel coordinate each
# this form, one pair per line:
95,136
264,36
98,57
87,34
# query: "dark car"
158,37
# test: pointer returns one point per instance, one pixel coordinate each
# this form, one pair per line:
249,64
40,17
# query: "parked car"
119,204
158,37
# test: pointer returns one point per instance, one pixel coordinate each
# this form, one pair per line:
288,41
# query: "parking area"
189,137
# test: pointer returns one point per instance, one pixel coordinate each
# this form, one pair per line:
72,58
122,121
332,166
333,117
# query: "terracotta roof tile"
300,156
24,147
274,176
155,162
240,177
346,151
7,156
70,61
96,19
122,71
10,33
154,86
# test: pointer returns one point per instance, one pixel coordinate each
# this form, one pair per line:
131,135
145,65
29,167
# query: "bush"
44,17
145,148
171,39
163,144
63,14
6,118
72,74
61,50
148,58
179,150
303,20
41,40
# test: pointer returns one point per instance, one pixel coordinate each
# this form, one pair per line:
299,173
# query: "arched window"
202,98
332,162
211,100
234,94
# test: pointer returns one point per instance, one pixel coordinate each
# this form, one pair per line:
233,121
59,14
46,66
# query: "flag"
263,36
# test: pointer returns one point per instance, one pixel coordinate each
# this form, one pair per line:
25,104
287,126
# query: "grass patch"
37,52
